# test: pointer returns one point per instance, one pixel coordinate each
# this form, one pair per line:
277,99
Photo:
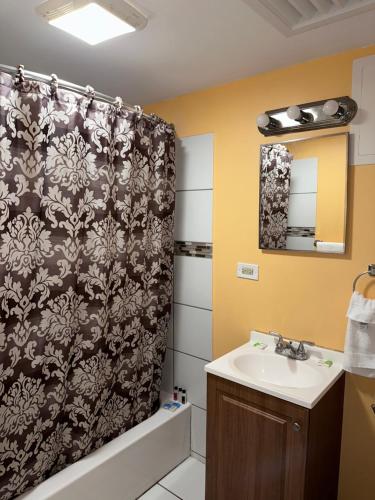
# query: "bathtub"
127,466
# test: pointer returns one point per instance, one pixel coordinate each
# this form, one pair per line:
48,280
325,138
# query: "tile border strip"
193,249
304,232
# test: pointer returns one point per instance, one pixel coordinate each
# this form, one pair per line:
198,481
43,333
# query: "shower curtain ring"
54,84
119,103
20,75
90,92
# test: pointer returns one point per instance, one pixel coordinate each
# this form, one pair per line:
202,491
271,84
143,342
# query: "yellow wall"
332,153
299,295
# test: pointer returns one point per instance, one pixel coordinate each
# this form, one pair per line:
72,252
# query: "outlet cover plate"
248,271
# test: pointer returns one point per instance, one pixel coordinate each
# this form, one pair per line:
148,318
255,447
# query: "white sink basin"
300,382
277,370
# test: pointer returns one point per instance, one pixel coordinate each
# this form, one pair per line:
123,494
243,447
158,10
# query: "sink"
277,370
256,365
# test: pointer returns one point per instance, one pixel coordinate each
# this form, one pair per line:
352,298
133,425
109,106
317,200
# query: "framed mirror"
303,194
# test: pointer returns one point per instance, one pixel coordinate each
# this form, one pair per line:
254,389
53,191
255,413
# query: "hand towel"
359,354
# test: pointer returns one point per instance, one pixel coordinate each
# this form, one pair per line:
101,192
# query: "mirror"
302,199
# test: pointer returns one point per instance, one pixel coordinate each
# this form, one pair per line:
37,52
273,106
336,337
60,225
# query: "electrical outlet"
248,271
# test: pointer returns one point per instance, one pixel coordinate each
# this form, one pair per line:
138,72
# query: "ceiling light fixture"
92,21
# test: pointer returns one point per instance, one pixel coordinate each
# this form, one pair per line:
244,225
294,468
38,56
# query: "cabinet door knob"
296,426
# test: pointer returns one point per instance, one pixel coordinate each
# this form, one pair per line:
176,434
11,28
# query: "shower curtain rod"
14,71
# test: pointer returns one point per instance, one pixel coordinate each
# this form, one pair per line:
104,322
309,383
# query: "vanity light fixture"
265,121
295,113
336,112
93,21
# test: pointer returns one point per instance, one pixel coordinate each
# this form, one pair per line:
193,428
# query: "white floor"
185,482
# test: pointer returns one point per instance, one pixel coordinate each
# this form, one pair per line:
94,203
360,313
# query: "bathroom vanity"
274,424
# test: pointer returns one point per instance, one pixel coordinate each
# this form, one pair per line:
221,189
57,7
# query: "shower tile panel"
302,210
193,331
300,243
167,378
304,176
193,282
194,162
198,430
189,374
193,216
170,331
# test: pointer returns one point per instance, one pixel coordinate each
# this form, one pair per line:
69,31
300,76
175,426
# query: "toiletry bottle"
183,397
180,394
175,393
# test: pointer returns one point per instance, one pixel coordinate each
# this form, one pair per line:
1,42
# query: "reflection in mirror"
303,189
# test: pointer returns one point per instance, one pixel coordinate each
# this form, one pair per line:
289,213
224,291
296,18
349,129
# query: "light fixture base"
319,120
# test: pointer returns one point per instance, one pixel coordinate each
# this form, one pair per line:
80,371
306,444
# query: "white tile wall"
189,374
302,210
189,339
192,331
167,379
170,331
304,176
193,281
198,430
193,216
194,161
198,457
299,243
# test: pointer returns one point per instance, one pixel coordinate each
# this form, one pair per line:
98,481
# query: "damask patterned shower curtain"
275,174
86,264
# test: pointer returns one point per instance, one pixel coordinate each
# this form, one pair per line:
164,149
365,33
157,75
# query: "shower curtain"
275,173
86,262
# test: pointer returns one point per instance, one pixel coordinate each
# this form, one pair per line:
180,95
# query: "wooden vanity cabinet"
260,447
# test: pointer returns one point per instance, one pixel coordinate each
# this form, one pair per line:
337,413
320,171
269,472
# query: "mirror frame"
289,141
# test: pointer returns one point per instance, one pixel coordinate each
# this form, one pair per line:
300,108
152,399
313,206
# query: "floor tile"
157,493
187,481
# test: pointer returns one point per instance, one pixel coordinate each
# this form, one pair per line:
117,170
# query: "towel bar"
370,272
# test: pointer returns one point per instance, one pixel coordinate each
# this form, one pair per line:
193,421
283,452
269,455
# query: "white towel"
359,355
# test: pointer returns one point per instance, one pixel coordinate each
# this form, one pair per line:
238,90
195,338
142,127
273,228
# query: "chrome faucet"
286,348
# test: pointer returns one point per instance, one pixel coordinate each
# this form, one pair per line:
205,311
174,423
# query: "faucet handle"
301,346
275,334
279,339
306,342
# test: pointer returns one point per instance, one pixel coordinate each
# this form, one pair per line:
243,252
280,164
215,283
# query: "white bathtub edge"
118,450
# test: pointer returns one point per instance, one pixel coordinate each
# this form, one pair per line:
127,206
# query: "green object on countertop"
326,362
260,345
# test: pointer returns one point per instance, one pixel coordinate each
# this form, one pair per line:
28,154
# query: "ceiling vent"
296,16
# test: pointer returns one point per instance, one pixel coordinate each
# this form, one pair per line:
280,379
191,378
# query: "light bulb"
294,113
333,108
263,120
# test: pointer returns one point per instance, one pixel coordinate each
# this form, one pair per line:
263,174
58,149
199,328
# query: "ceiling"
187,45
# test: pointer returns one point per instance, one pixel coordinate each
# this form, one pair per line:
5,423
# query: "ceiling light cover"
93,21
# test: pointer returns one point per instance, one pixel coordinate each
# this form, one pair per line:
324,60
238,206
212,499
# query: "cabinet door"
362,128
256,445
